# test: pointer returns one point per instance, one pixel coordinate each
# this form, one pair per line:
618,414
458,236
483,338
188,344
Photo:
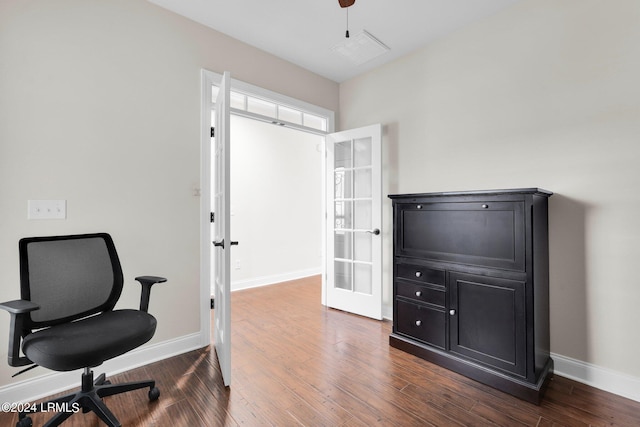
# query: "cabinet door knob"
418,273
485,206
418,293
452,312
419,206
418,322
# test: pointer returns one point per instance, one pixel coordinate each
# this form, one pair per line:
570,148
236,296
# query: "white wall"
276,203
544,94
100,106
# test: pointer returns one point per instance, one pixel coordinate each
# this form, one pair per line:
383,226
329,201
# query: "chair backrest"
70,277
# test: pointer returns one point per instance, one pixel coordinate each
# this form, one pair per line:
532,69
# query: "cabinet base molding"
531,392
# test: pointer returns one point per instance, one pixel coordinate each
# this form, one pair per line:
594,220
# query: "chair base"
88,398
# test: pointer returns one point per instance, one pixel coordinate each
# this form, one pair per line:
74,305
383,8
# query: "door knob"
375,231
418,322
452,312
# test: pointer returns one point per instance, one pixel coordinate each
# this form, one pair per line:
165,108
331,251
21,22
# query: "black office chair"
65,319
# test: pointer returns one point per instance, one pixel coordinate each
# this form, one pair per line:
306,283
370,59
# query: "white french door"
221,231
354,219
353,267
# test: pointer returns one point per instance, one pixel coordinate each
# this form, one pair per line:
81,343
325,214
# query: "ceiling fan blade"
346,3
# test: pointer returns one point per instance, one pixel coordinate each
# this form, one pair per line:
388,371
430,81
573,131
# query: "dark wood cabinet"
471,285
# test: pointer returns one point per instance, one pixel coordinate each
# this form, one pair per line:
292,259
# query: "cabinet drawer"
430,294
420,274
424,323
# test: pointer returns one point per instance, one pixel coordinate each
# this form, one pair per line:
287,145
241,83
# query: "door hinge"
213,132
213,216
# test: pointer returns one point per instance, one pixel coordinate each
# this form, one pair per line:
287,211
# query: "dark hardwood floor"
298,363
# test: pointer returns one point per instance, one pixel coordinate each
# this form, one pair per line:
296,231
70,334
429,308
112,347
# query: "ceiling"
305,31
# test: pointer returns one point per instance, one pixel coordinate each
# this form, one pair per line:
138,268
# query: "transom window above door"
276,113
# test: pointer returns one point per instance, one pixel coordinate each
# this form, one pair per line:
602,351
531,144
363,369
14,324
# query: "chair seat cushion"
89,342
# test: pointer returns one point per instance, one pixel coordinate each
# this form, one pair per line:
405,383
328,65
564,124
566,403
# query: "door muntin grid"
353,206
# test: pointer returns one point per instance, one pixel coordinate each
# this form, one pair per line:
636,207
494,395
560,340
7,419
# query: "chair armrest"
147,282
19,306
18,309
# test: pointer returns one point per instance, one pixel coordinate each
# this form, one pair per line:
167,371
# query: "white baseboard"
32,389
605,379
276,278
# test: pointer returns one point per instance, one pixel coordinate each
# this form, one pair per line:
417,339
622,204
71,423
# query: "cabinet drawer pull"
418,273
452,312
418,322
418,293
419,207
485,206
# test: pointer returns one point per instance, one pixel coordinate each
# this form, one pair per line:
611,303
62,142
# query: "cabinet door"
483,233
487,321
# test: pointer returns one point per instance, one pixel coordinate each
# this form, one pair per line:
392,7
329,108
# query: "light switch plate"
47,209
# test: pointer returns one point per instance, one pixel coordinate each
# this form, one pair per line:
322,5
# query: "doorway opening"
277,210
290,115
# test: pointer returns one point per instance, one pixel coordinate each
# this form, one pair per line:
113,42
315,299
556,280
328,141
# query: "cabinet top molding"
537,191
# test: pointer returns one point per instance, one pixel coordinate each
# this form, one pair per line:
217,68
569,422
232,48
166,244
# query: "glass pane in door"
362,215
342,277
342,155
342,183
362,183
362,246
342,244
343,214
362,152
362,278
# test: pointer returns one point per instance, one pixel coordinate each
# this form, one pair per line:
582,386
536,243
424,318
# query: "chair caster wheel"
154,393
25,422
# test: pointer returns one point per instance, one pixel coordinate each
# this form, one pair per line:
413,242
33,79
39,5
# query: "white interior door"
221,232
354,220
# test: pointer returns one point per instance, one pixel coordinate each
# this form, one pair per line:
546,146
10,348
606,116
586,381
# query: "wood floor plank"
297,363
331,413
